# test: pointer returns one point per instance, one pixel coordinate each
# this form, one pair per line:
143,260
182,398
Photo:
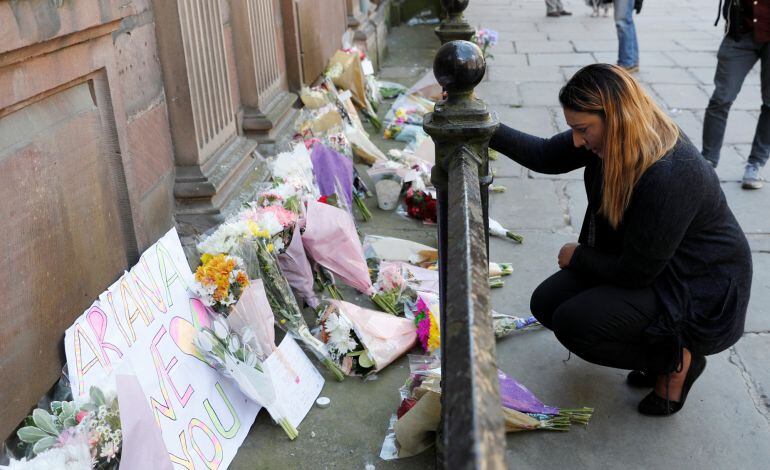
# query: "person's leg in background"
760,148
734,60
555,8
628,46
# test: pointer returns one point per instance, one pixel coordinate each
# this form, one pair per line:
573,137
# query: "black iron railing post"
472,434
456,28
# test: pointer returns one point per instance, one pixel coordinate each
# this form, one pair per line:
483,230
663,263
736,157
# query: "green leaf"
56,407
355,353
44,421
364,360
67,409
97,397
44,444
31,434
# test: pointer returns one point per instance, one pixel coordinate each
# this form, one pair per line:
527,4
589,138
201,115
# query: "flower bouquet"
496,229
345,71
389,90
363,341
220,280
296,268
237,356
409,109
485,38
332,241
333,172
395,286
261,255
427,326
421,205
72,436
419,414
505,324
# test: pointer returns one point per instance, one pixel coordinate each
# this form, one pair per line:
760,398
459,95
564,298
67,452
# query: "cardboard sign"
146,318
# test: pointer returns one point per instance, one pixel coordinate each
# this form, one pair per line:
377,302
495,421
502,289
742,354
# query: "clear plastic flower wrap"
261,258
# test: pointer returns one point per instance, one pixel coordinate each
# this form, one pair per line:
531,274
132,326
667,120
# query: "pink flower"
423,331
285,217
80,416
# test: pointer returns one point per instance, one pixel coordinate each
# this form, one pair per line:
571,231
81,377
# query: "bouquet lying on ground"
332,241
73,436
363,341
239,356
287,313
419,414
394,285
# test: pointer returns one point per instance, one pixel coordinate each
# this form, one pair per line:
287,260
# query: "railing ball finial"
459,66
454,25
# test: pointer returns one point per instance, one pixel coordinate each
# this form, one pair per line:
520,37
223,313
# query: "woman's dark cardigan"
677,235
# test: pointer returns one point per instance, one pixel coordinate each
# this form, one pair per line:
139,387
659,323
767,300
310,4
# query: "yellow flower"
434,336
253,227
270,247
206,257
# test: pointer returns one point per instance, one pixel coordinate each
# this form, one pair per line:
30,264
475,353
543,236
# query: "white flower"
247,335
204,341
221,329
235,344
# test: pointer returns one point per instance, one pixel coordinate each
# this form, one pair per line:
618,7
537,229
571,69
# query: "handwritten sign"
145,318
296,378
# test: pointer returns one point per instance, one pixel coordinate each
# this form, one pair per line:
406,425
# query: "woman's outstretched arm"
550,156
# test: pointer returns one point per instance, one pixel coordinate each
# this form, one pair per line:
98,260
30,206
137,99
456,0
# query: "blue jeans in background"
628,48
734,60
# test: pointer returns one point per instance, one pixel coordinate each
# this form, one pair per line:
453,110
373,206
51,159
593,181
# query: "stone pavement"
726,422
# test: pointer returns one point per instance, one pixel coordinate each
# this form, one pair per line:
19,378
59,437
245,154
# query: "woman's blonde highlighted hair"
637,133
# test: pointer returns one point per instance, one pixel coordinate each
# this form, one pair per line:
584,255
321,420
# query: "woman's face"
587,130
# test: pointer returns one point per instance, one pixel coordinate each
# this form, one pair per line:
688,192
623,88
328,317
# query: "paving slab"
749,207
530,204
751,355
664,75
504,167
506,60
595,45
532,120
577,203
759,242
741,126
687,96
758,316
523,47
699,45
540,94
731,164
576,58
521,74
693,59
500,93
646,58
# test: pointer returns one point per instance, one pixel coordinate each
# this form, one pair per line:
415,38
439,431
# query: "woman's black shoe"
641,379
653,405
